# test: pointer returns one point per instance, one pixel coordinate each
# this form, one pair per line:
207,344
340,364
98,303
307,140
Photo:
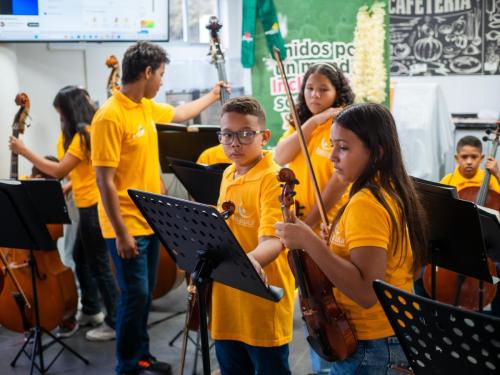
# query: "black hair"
37,173
245,105
344,95
77,112
374,125
138,57
469,140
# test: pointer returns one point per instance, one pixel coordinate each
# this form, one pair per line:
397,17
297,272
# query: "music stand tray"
200,242
438,338
23,228
202,182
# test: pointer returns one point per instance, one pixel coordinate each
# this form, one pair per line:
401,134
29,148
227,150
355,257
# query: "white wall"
41,69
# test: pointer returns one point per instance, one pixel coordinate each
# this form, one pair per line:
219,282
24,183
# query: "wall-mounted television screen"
83,20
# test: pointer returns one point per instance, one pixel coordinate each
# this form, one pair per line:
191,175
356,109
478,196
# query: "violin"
114,75
329,332
56,285
452,288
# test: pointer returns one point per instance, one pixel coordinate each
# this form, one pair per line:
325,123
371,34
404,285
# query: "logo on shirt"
337,239
140,132
243,217
324,149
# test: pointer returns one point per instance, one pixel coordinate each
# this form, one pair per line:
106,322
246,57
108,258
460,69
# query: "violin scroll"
228,209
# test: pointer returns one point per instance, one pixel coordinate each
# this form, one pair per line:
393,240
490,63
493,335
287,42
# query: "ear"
482,157
148,72
456,157
265,137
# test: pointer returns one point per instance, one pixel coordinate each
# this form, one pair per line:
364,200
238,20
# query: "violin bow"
302,140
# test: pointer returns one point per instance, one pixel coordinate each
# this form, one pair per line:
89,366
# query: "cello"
330,334
56,287
452,288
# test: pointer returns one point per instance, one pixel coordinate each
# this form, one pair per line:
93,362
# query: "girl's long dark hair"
374,125
344,96
77,112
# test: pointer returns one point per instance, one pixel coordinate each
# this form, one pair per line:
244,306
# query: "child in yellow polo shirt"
125,154
323,93
252,334
469,156
378,234
92,266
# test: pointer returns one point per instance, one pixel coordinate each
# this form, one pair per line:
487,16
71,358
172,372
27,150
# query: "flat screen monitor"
83,20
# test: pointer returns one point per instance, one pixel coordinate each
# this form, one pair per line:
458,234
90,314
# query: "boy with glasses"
252,334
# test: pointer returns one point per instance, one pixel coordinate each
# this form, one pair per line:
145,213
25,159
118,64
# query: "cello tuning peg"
488,131
486,138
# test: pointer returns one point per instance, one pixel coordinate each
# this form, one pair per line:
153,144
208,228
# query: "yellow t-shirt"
365,222
213,155
320,149
84,187
124,137
237,315
456,179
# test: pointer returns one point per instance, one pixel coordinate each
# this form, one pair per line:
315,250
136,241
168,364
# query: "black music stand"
200,242
184,142
202,182
456,235
439,338
23,228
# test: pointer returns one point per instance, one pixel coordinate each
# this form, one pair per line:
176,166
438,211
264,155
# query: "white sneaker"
101,333
89,320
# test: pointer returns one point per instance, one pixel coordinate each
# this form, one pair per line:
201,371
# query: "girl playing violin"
378,234
91,258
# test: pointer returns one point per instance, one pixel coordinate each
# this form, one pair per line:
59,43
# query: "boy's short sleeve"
106,140
162,112
270,211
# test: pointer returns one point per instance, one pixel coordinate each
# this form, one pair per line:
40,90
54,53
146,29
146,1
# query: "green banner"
314,31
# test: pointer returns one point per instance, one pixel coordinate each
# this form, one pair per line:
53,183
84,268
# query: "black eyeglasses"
245,137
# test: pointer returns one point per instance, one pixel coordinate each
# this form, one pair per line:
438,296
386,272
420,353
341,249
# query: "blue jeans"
136,278
238,358
373,357
92,266
318,365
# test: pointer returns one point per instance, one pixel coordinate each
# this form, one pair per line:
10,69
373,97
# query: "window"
188,19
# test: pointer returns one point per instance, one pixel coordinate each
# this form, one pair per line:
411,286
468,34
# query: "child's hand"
219,86
328,113
258,268
16,145
492,165
294,235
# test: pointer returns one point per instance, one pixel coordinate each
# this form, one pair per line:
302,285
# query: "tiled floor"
101,355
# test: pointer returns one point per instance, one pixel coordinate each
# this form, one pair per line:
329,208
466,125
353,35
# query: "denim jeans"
92,266
136,279
373,357
238,358
318,365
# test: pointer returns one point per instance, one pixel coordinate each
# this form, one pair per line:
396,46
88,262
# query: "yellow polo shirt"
213,155
320,149
124,137
456,179
365,222
85,192
237,315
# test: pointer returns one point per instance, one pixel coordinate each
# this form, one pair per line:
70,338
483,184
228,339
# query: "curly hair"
138,57
344,96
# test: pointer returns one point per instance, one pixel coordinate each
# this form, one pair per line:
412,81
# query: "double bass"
56,287
330,334
456,289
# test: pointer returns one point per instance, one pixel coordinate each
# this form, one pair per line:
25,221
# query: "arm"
330,195
352,276
289,148
56,169
192,109
267,250
125,243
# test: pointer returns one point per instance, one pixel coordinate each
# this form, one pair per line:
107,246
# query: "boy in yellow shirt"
469,156
125,154
252,334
